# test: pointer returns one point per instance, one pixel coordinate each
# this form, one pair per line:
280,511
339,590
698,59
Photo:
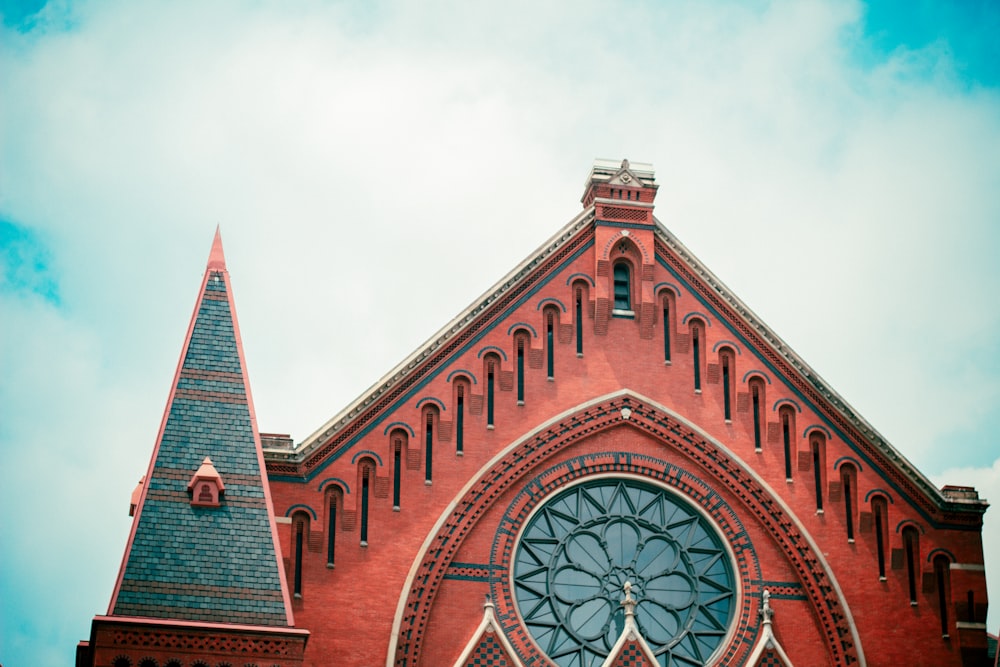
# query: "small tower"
622,199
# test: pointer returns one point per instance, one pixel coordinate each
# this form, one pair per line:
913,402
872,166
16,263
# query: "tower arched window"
622,286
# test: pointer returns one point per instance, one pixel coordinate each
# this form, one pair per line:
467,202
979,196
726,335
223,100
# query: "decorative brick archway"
510,468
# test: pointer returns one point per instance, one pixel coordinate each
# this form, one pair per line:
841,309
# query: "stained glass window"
581,546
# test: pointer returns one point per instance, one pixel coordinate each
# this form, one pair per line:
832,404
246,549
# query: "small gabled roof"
206,564
488,645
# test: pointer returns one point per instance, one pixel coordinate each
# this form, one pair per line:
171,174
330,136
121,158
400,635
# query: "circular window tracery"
581,546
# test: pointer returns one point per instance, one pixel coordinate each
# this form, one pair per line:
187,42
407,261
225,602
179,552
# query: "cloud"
850,201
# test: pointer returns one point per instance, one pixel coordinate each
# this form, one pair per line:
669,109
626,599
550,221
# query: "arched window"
430,420
550,342
911,552
366,479
786,415
398,442
148,662
622,288
757,408
848,482
462,388
668,326
942,578
696,354
578,293
492,369
334,501
122,661
880,511
817,449
520,351
727,364
300,536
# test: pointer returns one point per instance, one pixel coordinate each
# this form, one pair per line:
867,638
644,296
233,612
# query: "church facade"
605,460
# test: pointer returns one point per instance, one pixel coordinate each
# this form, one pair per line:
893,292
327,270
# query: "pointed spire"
190,548
217,258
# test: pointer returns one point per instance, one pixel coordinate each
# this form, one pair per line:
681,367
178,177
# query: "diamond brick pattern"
205,563
489,653
631,655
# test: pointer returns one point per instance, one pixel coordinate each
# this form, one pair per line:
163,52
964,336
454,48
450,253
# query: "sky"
376,166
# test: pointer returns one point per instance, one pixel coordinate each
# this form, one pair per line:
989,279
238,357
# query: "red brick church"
606,460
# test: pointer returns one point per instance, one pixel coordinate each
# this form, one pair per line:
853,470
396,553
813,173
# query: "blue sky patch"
25,263
964,31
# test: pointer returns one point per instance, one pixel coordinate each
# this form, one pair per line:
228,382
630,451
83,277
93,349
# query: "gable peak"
217,258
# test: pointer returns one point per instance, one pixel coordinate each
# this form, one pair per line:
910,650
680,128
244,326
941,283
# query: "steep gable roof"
206,563
336,435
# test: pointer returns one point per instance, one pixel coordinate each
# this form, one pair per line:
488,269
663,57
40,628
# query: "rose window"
581,546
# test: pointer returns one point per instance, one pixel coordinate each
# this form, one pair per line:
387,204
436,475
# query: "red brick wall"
350,609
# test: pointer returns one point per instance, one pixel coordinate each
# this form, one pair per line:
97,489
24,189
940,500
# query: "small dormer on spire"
621,191
206,486
136,496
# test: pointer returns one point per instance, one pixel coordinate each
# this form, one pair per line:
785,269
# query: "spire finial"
216,258
765,610
629,601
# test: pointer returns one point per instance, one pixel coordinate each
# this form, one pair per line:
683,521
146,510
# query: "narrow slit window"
331,531
942,572
696,354
727,407
786,438
520,370
428,447
364,505
622,287
847,474
579,321
910,549
755,397
460,419
299,538
490,388
397,471
666,330
550,358
817,461
879,509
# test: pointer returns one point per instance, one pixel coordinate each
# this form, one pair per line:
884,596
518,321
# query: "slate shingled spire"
196,563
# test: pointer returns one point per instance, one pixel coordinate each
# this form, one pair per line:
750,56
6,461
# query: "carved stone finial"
629,601
765,610
488,604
